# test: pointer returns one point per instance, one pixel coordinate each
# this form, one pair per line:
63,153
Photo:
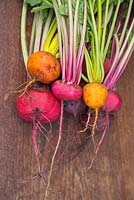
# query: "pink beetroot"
113,102
64,91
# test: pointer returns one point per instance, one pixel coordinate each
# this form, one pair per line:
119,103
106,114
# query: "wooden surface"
112,176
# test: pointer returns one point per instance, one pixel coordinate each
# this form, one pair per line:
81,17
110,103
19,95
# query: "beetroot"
75,107
64,91
113,102
38,104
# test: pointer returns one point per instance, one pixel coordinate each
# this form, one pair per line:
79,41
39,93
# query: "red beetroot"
113,102
64,91
38,107
37,104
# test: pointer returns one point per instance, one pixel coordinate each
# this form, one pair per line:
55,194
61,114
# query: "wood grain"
112,176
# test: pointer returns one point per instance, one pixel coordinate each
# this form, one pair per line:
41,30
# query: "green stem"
99,21
93,57
32,37
89,66
101,71
111,30
115,61
94,4
84,78
125,42
39,23
23,34
104,27
46,28
96,40
126,22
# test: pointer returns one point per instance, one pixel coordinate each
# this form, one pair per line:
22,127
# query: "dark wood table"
112,175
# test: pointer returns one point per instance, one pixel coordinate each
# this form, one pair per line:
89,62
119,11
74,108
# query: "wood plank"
112,174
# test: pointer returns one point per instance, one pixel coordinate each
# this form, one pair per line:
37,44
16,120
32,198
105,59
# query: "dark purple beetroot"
75,107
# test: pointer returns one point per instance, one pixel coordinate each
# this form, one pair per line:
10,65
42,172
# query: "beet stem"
126,22
32,36
38,25
105,27
80,54
71,41
46,28
23,34
111,29
75,35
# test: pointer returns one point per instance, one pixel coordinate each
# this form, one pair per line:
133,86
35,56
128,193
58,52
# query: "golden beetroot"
94,95
43,67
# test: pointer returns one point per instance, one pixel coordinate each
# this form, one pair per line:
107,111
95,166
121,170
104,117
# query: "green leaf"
63,10
33,2
88,33
44,5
